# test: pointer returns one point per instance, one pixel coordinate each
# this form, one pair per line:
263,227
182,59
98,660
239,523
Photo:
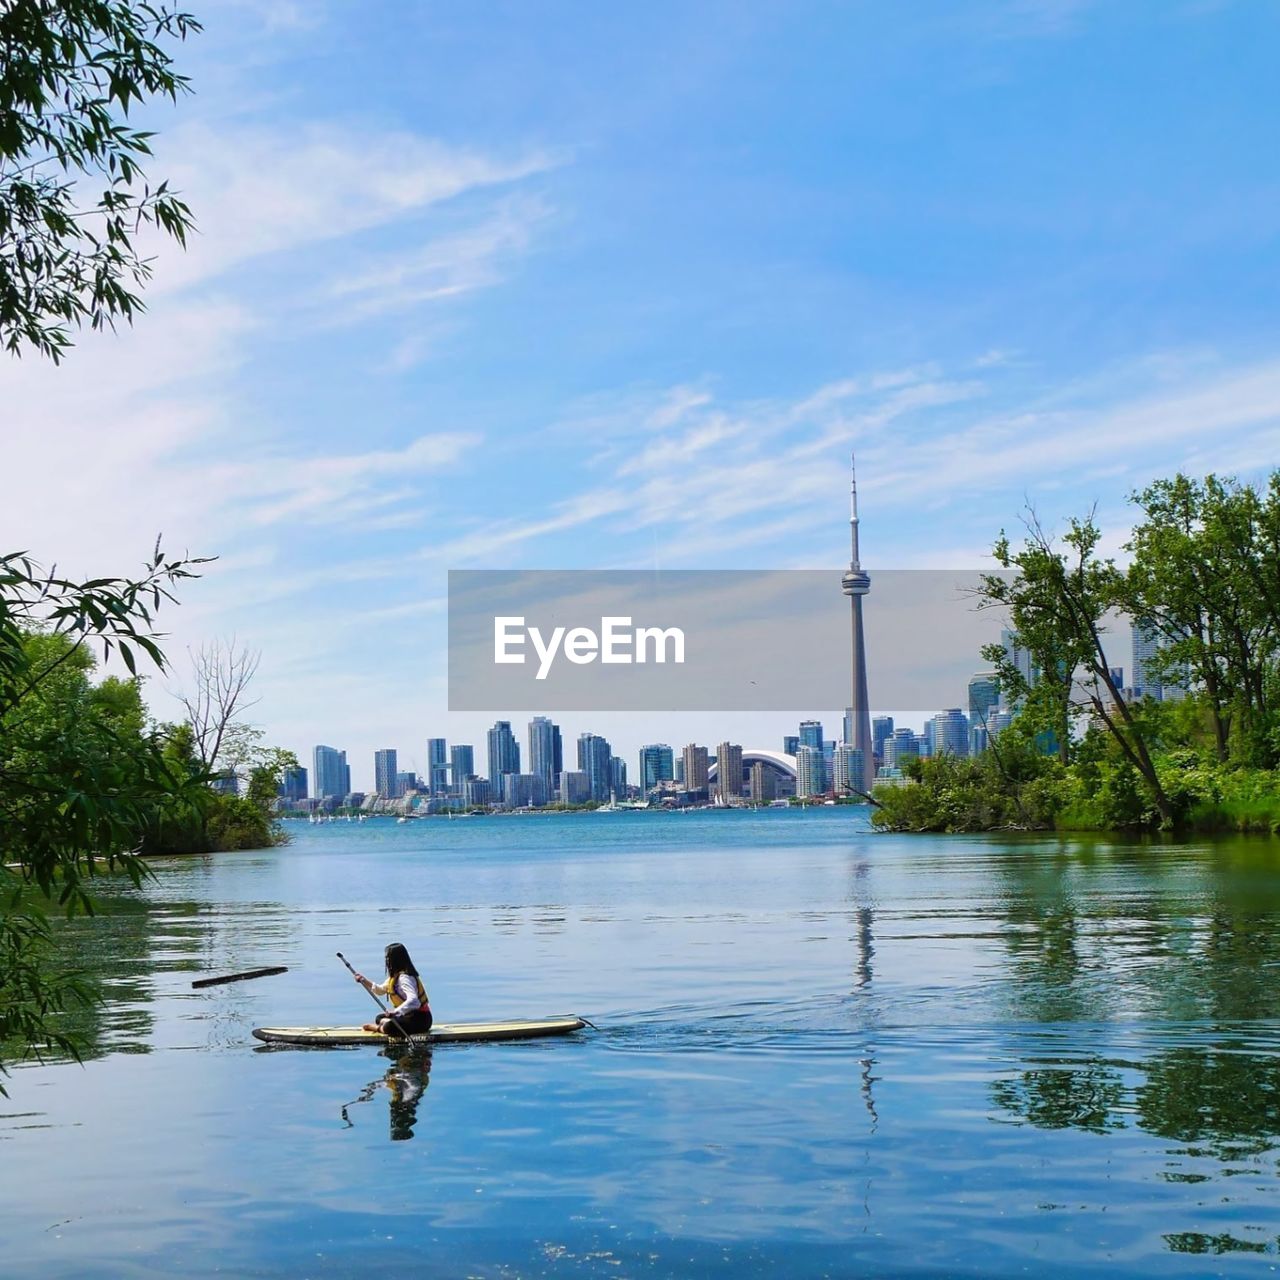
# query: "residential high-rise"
524,790
902,746
881,730
437,767
950,733
406,781
846,771
1019,658
384,773
984,693
1147,682
657,764
594,754
542,751
504,754
462,765
696,767
617,776
811,733
761,783
855,584
574,787
330,776
809,772
293,785
729,770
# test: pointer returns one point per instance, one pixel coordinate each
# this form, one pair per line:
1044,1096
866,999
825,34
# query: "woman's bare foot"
371,1026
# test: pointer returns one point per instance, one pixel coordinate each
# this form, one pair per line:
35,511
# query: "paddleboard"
441,1033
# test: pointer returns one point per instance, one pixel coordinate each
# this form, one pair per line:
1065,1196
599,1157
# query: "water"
821,1051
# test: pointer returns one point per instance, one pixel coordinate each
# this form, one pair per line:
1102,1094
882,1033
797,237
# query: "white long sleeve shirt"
406,986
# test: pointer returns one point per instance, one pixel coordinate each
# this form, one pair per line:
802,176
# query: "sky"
566,286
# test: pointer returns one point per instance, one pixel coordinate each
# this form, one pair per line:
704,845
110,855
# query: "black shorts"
415,1023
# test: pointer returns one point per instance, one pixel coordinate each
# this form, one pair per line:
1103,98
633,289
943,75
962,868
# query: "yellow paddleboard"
441,1033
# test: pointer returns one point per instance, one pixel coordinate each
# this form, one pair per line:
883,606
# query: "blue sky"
568,285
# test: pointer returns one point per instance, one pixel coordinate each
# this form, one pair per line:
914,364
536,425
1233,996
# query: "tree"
221,676
1057,602
79,778
73,196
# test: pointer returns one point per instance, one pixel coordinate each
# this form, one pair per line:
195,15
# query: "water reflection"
406,1081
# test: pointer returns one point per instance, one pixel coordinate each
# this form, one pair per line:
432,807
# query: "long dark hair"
398,961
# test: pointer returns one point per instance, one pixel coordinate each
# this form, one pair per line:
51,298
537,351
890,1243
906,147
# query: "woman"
411,1012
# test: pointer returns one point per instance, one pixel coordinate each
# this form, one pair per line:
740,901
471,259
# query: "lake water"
820,1051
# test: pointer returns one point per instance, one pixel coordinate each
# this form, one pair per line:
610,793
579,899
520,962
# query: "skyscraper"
881,730
855,584
811,733
696,767
790,742
1146,664
846,770
617,776
984,693
504,754
542,751
594,754
809,772
462,765
950,733
657,764
329,773
729,770
384,773
293,785
437,767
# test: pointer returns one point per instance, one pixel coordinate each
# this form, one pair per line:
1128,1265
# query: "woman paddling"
411,1012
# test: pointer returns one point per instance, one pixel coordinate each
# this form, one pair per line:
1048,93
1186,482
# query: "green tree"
73,195
1057,601
79,778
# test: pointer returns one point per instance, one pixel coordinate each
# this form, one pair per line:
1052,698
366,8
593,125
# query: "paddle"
374,998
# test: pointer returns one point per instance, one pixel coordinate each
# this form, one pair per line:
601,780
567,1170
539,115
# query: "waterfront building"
677,770
881,731
809,772
504,753
729,770
594,755
697,762
384,772
847,770
855,584
406,782
437,767
1147,682
950,732
618,776
984,693
575,787
1018,657
462,764
904,745
476,791
542,751
811,733
524,790
657,764
293,785
762,785
330,774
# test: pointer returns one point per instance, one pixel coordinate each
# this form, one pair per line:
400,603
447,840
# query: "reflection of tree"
1086,1096
406,1081
1224,1100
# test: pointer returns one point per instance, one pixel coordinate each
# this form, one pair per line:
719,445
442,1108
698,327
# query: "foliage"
78,776
74,200
1204,580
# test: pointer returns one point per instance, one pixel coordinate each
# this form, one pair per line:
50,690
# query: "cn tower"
855,584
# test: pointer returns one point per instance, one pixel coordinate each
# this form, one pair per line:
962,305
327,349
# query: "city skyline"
342,404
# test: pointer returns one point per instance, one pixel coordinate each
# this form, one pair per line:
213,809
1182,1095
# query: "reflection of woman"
411,1012
407,1081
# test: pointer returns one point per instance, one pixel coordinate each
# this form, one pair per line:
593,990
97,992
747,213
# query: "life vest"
397,999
